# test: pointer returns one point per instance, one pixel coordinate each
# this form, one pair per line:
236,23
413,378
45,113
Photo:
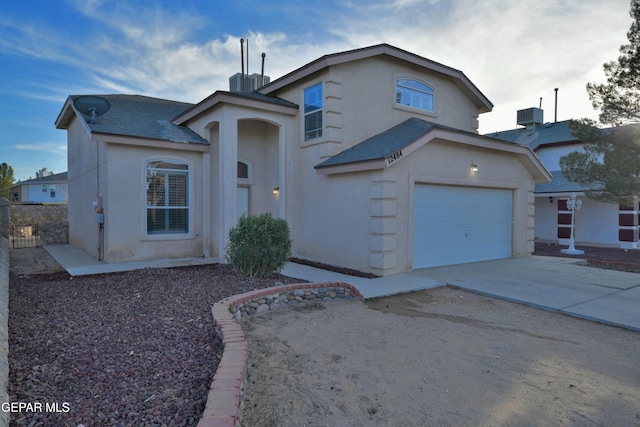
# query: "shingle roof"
559,184
220,96
383,144
57,178
141,116
548,133
266,98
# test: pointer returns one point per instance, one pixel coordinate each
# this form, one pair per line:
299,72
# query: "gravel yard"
139,348
134,348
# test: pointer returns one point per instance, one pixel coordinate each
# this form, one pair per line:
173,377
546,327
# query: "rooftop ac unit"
530,116
251,82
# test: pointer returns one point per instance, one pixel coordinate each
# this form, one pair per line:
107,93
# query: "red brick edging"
223,407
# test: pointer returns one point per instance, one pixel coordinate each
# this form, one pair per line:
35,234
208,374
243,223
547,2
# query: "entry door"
454,225
242,201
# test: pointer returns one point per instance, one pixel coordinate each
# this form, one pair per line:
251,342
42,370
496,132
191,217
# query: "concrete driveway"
557,284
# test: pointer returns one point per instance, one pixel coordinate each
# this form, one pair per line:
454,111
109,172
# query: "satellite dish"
92,106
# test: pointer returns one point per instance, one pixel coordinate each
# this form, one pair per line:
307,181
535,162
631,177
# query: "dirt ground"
441,357
32,261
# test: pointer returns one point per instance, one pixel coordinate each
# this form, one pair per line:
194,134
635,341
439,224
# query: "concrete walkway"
79,263
557,284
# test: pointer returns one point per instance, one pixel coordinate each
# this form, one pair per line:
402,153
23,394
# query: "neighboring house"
47,188
597,223
372,156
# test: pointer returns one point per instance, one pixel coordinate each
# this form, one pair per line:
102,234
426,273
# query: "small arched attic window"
413,93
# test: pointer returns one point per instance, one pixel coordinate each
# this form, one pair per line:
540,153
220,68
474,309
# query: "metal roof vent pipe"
555,116
242,65
262,72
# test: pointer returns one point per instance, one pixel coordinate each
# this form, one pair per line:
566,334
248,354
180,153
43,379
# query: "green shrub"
259,245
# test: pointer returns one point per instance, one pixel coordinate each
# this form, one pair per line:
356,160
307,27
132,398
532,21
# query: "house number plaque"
395,156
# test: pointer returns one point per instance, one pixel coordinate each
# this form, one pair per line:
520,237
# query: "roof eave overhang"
148,142
523,153
366,165
557,144
220,97
66,114
459,78
562,193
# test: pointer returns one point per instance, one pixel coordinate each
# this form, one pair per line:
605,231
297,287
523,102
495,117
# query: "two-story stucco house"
371,155
597,223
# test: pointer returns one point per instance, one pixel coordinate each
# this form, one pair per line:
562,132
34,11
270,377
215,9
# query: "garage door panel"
459,224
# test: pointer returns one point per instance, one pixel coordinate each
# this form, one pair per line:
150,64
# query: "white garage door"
454,225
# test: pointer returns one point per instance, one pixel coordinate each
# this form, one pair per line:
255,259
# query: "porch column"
228,178
282,182
206,205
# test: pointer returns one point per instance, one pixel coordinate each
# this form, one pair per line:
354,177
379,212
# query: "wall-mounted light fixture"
474,167
276,190
550,199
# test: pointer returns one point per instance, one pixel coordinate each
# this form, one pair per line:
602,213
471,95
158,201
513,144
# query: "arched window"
413,93
167,197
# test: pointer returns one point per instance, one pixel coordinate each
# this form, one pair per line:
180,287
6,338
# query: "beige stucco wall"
329,216
346,220
364,220
360,101
125,207
445,162
258,147
82,156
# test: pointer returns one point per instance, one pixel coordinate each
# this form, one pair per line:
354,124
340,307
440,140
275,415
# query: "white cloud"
48,147
515,52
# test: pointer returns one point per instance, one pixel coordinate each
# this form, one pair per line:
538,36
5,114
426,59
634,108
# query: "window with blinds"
313,112
167,197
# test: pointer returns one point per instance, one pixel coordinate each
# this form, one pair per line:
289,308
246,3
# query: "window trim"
319,111
169,235
249,179
431,91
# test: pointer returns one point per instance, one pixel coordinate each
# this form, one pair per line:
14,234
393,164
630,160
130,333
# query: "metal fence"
24,236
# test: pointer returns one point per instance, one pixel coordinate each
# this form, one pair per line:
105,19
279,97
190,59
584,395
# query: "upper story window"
414,94
313,112
167,197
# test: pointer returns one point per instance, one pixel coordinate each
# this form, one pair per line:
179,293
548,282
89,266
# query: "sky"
515,52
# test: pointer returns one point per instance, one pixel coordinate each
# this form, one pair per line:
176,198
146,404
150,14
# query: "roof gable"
394,144
244,99
457,76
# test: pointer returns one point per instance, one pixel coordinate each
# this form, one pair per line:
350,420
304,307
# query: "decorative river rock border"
224,402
